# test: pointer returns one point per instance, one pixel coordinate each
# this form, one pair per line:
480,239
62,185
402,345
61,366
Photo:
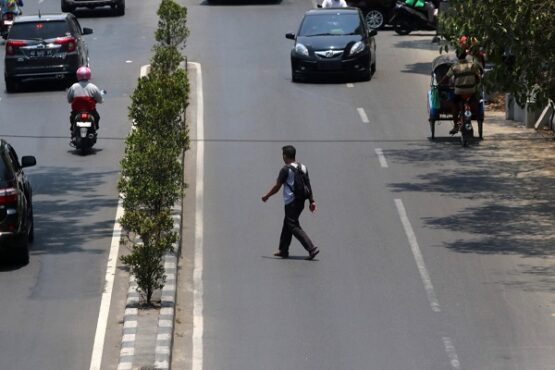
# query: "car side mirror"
372,32
28,161
290,36
87,31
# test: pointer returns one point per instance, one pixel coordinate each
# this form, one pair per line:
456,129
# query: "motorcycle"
83,134
407,19
6,23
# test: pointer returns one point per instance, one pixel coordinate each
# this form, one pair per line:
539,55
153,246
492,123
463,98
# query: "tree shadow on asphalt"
65,203
513,185
418,68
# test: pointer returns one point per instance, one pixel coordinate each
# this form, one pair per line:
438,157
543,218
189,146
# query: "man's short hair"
289,151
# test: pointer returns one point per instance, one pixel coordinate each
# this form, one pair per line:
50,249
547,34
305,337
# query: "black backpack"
301,184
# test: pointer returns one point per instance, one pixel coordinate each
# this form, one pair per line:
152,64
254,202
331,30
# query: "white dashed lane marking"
381,157
363,115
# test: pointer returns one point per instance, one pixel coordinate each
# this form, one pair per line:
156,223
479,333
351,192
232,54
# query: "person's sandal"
312,254
281,254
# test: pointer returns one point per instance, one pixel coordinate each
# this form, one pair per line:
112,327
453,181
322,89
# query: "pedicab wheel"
433,128
481,130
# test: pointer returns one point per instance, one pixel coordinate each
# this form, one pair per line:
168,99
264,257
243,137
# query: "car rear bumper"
21,70
92,2
306,66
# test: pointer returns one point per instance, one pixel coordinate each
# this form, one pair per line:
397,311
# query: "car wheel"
66,8
22,254
375,19
120,8
11,84
373,68
295,77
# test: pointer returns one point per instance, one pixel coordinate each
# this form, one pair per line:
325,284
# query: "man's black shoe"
281,254
312,254
453,131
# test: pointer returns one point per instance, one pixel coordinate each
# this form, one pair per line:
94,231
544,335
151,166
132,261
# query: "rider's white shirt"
334,4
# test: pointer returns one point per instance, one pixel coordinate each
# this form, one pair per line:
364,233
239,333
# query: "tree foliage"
152,176
518,37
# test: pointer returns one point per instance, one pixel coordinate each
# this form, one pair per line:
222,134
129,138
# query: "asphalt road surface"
49,308
433,257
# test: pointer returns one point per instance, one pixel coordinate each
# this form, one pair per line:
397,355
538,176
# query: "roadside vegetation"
518,37
152,175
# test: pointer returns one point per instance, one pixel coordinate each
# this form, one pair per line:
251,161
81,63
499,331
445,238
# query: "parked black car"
333,41
48,46
377,13
118,6
16,204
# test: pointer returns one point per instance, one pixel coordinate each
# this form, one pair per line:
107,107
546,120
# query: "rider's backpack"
301,183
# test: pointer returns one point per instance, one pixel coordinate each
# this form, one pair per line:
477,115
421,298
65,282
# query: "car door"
23,185
81,42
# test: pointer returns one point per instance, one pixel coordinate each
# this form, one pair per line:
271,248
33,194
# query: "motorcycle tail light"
84,116
7,16
8,195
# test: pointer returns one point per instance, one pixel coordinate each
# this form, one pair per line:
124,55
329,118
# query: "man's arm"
272,191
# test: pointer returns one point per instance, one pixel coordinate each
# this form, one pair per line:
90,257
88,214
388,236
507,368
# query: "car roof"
41,18
332,10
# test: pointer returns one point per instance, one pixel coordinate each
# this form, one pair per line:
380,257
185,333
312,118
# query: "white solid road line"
381,157
198,304
363,115
434,303
98,347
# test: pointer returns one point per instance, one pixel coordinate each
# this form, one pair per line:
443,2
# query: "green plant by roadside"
152,176
518,37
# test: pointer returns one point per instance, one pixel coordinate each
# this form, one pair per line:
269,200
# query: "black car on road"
47,46
16,204
118,6
333,41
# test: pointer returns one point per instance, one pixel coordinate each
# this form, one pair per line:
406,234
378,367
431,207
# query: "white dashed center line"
381,158
350,85
363,115
451,353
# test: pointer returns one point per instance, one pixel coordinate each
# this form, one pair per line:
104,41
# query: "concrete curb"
164,336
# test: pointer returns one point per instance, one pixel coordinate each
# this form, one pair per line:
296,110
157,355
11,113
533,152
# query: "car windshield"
330,25
38,30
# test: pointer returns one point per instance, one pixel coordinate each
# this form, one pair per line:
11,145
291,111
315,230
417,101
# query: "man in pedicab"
466,74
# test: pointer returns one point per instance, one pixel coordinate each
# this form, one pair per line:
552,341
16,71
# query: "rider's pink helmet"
83,73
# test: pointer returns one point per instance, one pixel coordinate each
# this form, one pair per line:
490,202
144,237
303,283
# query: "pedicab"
440,102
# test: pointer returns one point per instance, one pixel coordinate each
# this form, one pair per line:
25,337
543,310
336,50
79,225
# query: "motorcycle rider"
466,74
83,96
11,6
334,4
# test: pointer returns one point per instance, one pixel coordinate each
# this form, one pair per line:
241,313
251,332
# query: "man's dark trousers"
291,226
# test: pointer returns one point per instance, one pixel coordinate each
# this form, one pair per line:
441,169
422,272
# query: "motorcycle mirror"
103,92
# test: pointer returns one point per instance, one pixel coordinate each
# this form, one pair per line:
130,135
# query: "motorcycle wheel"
402,27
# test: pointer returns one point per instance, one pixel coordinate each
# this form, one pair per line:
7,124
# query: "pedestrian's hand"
264,198
312,207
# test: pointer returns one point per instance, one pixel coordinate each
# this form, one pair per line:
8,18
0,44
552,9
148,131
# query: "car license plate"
83,124
8,23
329,66
41,53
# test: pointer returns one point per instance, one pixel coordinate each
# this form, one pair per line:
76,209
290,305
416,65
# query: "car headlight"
301,49
357,48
